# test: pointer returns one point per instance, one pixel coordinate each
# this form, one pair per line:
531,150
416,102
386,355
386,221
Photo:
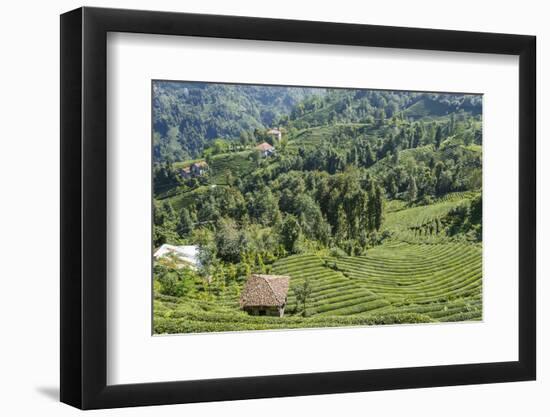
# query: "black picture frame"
84,207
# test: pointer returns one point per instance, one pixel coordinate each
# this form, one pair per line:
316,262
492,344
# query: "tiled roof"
264,146
265,290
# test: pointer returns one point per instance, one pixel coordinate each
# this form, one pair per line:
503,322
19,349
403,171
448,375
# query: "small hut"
265,149
265,295
199,168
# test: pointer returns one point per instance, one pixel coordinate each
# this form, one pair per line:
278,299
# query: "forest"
369,200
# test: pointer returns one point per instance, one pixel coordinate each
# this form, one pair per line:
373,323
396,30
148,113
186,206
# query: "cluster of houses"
200,168
262,295
265,148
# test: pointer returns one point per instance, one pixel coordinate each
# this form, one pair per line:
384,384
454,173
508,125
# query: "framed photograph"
257,208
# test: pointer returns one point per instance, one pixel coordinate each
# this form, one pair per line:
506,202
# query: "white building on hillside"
187,255
275,132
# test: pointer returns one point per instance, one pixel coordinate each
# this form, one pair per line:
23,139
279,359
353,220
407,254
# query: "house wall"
269,311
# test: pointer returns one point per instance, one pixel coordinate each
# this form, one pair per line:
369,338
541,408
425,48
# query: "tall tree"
185,223
371,205
341,225
438,137
378,207
412,191
393,190
302,293
369,156
290,232
418,135
228,240
380,116
452,124
395,157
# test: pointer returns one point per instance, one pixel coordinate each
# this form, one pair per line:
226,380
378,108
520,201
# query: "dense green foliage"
371,203
187,117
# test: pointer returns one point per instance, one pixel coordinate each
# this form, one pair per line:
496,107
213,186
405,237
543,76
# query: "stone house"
265,295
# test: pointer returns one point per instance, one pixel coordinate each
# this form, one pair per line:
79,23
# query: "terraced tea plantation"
284,207
422,224
442,282
394,283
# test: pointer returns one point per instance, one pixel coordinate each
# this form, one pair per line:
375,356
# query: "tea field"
412,278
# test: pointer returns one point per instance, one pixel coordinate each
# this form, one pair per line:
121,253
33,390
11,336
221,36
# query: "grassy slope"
407,278
238,163
411,278
313,136
182,200
392,278
425,109
402,221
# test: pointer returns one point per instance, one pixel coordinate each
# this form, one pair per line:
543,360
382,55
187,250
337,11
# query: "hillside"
370,202
394,283
368,106
430,107
188,116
